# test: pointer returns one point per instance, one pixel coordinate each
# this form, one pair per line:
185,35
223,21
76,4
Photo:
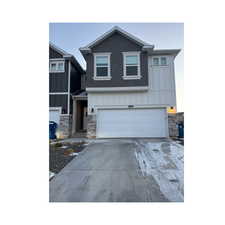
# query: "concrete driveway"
119,170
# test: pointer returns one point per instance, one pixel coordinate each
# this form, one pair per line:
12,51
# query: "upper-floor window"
56,66
131,65
102,66
159,61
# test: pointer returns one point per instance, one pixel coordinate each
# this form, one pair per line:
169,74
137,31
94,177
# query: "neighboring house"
65,75
129,87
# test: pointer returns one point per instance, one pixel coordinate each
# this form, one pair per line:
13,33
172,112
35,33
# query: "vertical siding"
59,101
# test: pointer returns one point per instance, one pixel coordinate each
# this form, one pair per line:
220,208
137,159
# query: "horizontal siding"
59,101
161,91
58,82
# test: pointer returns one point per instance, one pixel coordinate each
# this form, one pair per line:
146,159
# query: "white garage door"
131,123
54,115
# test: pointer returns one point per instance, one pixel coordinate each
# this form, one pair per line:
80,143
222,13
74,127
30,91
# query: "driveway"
119,170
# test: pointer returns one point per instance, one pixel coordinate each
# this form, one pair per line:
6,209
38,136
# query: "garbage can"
181,130
52,130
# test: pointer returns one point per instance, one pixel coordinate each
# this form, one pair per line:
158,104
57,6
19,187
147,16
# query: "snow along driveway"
122,170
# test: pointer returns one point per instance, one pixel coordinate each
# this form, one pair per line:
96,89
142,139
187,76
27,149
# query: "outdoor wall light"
92,110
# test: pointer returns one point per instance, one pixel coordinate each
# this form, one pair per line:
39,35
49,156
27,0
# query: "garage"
116,123
54,114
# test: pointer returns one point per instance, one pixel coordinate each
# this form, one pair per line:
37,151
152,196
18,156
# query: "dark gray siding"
58,82
75,81
116,44
53,54
59,101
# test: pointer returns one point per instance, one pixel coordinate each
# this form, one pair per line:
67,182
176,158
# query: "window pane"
102,71
163,61
53,66
60,66
131,60
131,70
155,61
101,60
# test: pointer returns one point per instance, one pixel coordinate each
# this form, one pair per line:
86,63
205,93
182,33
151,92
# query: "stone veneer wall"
65,126
91,126
173,121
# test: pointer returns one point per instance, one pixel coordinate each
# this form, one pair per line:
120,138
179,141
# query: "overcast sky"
71,36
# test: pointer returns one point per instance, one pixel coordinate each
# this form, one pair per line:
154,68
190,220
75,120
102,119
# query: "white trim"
56,108
60,51
58,93
159,57
108,55
138,76
57,59
109,89
108,33
57,62
69,74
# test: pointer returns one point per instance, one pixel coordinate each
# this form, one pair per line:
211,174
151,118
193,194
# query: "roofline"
108,33
61,51
166,51
67,55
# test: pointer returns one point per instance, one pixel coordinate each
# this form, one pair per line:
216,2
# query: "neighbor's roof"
122,32
67,55
166,52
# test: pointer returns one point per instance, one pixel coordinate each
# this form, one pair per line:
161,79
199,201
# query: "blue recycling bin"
181,130
52,130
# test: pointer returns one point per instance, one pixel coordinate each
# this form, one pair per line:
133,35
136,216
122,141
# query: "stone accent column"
172,123
91,126
65,126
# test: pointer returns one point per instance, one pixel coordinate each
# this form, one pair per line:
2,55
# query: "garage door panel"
131,123
54,115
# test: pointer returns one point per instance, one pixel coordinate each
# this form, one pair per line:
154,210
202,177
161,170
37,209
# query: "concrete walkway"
112,171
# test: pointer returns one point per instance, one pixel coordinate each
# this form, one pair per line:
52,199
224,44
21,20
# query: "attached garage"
54,114
116,123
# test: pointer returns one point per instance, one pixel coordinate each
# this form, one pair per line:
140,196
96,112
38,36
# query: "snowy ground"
165,162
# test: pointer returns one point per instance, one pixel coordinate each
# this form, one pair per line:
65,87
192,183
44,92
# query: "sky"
71,36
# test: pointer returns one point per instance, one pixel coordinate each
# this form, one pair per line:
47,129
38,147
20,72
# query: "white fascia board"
108,33
118,89
59,50
165,51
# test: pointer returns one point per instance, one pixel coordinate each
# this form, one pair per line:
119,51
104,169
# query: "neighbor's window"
131,65
159,61
57,66
102,66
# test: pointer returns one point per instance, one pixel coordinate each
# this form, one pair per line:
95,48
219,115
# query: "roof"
67,56
166,52
145,45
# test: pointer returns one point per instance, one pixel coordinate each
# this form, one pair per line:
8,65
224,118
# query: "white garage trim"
126,130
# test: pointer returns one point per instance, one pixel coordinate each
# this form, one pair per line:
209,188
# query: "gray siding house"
65,75
130,86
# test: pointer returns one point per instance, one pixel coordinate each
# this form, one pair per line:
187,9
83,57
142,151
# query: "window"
56,67
131,67
159,61
102,66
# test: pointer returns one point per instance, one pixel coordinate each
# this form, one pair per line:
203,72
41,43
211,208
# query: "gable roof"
59,50
131,37
67,56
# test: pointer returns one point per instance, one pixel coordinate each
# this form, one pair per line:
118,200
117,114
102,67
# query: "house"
130,85
65,75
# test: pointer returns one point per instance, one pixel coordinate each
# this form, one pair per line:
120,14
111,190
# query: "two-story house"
129,85
65,75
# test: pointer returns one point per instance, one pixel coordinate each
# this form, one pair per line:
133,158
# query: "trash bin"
52,130
181,130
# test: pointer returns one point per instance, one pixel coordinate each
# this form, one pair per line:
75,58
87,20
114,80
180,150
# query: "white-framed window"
102,66
131,65
56,66
159,61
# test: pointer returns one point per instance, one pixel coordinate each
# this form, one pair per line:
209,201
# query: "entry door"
132,123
